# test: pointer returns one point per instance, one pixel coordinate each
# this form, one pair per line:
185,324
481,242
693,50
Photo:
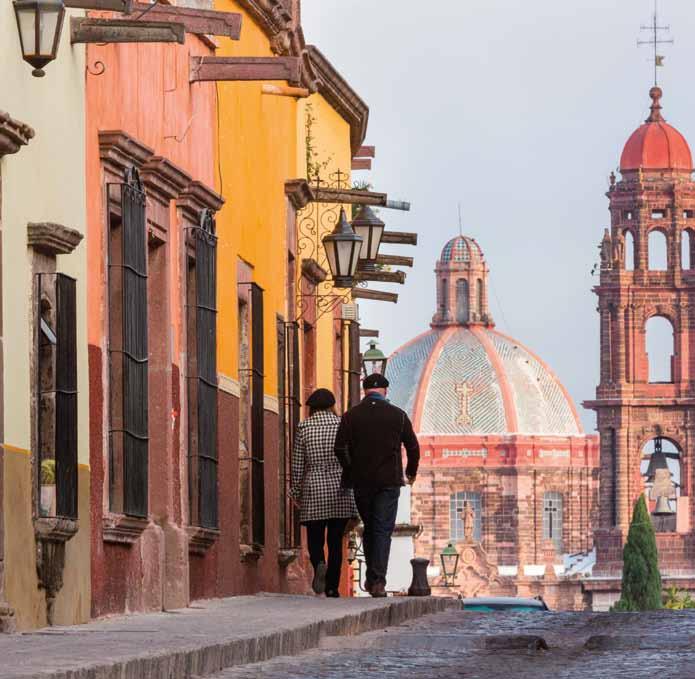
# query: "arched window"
660,467
552,519
462,304
687,243
660,349
658,251
457,512
480,296
444,296
629,251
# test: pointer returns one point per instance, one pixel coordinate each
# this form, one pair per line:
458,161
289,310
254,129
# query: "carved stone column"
13,135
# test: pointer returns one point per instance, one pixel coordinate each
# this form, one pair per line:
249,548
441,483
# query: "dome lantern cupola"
461,275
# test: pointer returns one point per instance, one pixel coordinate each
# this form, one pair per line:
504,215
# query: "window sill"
250,553
55,529
121,529
287,556
201,539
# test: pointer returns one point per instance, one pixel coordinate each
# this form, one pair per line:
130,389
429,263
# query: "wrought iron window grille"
313,222
128,347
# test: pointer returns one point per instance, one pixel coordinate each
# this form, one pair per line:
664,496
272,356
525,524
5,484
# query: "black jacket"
368,445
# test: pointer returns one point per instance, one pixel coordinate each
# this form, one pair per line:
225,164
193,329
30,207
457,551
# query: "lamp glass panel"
363,232
26,18
345,249
48,23
329,246
377,233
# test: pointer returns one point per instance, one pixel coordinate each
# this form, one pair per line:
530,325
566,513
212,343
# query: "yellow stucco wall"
257,154
45,181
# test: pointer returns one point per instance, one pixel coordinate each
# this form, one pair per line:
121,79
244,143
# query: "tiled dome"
474,380
461,250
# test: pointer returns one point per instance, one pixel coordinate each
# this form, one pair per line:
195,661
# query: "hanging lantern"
450,564
342,250
371,229
374,360
40,23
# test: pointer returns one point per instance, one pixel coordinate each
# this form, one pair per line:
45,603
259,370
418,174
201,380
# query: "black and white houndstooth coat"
316,472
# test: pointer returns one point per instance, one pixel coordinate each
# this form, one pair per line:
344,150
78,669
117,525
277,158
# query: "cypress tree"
641,587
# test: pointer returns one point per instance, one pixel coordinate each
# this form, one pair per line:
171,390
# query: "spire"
655,116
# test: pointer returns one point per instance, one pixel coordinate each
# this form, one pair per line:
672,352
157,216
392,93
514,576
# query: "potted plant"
48,487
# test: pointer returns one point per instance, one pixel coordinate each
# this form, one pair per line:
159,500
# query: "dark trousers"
377,507
320,532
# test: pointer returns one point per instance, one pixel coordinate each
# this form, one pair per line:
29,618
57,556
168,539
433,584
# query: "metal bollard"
419,586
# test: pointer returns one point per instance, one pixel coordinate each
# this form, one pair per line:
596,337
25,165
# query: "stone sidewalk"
201,640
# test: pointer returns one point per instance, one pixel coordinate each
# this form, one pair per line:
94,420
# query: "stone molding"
163,180
299,193
52,239
228,385
13,134
287,556
250,553
119,151
271,404
338,93
201,539
195,198
121,529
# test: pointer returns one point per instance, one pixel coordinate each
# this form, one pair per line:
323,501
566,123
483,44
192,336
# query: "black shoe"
332,593
319,582
378,590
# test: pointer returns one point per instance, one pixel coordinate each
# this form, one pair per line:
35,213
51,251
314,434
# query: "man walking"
368,447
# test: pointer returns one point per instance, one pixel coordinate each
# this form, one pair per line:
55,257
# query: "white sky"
520,111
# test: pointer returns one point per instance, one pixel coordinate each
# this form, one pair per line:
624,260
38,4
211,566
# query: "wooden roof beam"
382,276
359,197
86,30
375,295
399,238
245,68
365,332
394,260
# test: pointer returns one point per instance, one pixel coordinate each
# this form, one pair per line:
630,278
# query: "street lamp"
450,564
40,23
374,360
342,250
371,229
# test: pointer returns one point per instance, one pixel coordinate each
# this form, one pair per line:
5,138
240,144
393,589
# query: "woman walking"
325,507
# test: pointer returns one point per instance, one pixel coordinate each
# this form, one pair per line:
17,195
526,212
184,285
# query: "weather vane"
656,40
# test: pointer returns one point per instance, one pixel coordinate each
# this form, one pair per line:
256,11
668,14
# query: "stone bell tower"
652,208
462,285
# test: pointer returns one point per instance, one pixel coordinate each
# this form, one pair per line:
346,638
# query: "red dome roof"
656,145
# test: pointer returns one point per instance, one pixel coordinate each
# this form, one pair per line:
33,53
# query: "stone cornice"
119,151
163,180
313,271
274,19
52,239
338,93
197,197
13,134
299,192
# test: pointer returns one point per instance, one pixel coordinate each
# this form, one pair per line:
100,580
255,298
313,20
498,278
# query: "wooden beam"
361,164
199,21
245,68
394,260
375,295
107,5
382,276
350,196
399,237
365,332
84,30
366,152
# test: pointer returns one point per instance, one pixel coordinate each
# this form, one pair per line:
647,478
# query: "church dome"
461,250
656,145
474,380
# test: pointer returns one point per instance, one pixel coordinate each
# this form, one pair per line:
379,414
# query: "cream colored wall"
45,181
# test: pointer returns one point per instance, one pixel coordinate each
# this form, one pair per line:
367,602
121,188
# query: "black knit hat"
375,381
321,399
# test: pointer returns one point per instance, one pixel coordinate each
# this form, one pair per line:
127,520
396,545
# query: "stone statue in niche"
619,250
468,522
605,250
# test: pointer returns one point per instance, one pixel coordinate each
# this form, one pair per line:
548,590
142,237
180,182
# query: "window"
201,311
688,214
457,509
687,244
630,254
462,301
660,349
444,297
57,395
479,286
627,214
658,251
658,214
552,519
128,348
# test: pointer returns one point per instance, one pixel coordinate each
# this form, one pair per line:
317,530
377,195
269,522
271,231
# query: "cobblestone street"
482,645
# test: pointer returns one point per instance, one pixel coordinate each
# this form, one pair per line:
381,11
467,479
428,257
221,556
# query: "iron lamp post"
40,23
374,360
450,564
342,251
367,225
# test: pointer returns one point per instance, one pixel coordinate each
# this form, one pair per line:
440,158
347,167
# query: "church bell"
657,460
663,508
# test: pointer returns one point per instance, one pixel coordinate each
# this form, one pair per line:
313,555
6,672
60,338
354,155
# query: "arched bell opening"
661,471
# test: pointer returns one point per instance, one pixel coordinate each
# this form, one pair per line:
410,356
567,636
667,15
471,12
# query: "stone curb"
209,659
